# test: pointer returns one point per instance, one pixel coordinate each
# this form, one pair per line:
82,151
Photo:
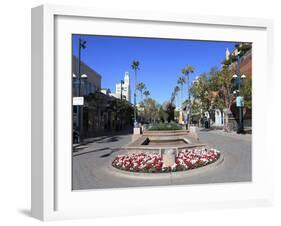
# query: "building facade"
102,113
90,80
245,69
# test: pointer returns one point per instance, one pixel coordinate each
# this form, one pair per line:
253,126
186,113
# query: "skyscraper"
126,89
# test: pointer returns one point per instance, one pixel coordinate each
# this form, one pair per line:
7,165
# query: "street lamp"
82,45
121,97
122,82
84,76
239,99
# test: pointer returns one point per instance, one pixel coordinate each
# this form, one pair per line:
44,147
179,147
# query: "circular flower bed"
152,162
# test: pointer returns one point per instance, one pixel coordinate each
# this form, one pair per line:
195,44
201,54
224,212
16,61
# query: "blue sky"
161,60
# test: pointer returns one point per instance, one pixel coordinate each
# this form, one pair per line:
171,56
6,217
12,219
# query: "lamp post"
121,118
239,99
122,82
82,45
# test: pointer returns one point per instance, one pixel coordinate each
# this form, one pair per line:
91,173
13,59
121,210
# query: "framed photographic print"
133,112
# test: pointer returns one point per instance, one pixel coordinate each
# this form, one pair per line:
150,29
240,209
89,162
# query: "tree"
140,87
163,116
150,113
135,67
215,91
173,97
169,108
181,81
175,93
200,91
224,87
187,70
146,93
246,92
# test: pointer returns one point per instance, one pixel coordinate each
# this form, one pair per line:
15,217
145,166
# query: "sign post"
78,101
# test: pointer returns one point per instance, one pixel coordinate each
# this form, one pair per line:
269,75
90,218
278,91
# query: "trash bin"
206,123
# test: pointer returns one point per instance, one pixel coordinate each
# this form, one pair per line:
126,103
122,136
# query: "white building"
126,89
227,54
105,91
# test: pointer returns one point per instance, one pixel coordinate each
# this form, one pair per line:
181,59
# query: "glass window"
89,88
85,88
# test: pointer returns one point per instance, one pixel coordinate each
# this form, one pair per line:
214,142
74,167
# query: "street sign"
78,101
239,101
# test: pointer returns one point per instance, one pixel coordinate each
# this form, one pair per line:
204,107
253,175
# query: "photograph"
153,111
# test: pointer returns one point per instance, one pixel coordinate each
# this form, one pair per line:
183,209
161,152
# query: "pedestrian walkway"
221,132
91,164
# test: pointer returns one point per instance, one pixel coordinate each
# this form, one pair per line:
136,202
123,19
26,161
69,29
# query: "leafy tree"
150,110
243,47
200,91
246,92
224,86
169,108
163,115
215,91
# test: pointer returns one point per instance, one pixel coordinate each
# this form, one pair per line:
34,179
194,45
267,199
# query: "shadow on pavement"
95,150
206,130
111,139
98,138
108,154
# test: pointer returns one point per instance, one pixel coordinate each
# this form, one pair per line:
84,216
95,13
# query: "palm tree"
140,87
187,70
135,67
146,93
173,96
176,90
180,82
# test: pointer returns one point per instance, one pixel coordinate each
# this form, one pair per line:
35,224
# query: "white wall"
15,110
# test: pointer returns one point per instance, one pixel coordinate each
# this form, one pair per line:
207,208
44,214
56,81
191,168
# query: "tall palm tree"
135,66
146,93
180,82
140,87
173,96
187,70
176,90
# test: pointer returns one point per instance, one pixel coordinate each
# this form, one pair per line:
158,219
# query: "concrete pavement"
91,163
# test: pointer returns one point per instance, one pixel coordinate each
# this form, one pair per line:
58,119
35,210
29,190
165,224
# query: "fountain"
164,152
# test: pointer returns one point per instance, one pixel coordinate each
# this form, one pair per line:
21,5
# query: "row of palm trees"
141,87
183,79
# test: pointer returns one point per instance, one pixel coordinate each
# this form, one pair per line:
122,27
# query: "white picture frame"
52,197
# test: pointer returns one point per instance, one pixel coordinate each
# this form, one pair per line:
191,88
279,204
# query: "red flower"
148,166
